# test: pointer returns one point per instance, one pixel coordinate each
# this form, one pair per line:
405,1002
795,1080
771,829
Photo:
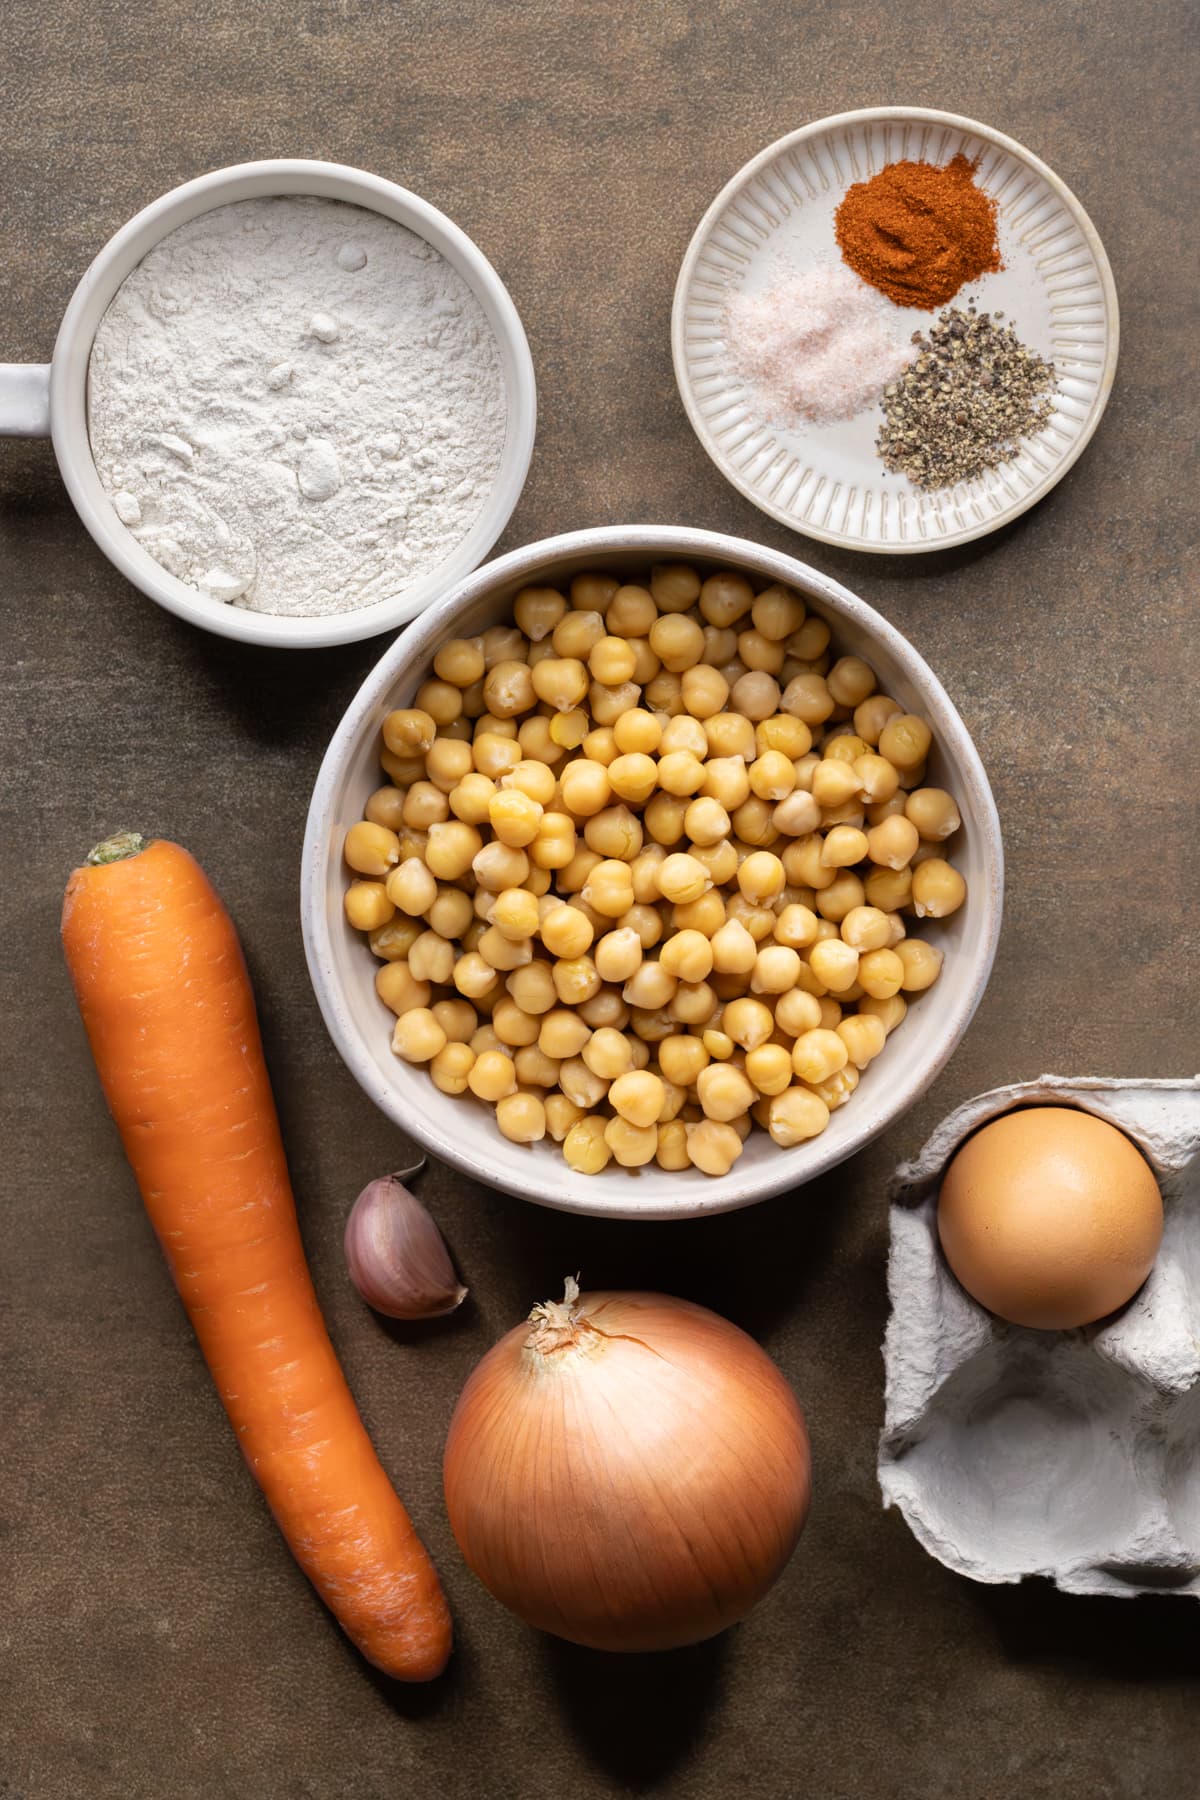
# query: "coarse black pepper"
963,405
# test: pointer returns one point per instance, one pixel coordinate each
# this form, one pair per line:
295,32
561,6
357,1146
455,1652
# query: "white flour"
296,405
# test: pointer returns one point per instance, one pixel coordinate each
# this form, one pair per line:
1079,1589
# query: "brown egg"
1050,1217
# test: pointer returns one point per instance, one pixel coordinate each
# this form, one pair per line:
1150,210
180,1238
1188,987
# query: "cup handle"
24,400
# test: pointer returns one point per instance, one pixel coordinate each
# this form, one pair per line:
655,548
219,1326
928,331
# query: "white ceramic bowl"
463,1131
36,399
777,212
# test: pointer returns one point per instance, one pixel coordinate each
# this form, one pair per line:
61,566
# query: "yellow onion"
627,1471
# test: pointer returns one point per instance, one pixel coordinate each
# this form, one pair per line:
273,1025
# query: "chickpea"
425,805
508,689
441,700
705,821
638,1096
769,1068
808,698
585,788
677,641
889,1010
473,977
631,612
889,889
665,693
777,613
555,844
693,1003
905,740
561,1115
724,1092
501,953
650,988
798,815
704,691
834,782
386,808
772,775
758,654
493,1076
401,771
391,942
866,928
719,1045
367,905
637,732
922,964
818,1054
681,878
837,1088
514,817
872,714
371,849
632,1145
843,847
725,598
759,921
713,1147
469,801
776,970
618,954
451,1067
797,1012
575,980
562,1033
498,866
584,1147
796,1115
521,1118
761,877
431,958
417,1036
606,1010
931,810
399,989
513,1027
893,843
615,832
609,888
515,912
674,586
568,729
721,860
937,889
863,1037
633,776
567,933
796,926
681,1058
878,779
748,1022
801,859
532,988
671,1151
755,695
607,1053
729,734
834,963
409,731
643,917
496,754
576,634
851,680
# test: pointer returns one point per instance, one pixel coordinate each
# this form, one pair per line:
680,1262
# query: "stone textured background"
157,1641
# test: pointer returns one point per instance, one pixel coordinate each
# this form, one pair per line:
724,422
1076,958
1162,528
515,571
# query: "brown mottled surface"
157,1641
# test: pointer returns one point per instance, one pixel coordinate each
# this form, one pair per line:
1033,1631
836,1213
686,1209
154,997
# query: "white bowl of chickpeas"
649,873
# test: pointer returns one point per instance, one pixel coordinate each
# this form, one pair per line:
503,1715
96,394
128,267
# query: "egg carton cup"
1073,1455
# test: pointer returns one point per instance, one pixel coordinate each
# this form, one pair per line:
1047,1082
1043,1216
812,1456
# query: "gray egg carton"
1068,1454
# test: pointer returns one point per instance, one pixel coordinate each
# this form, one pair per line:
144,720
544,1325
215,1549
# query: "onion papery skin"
638,1487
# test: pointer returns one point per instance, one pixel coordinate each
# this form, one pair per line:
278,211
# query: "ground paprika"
918,231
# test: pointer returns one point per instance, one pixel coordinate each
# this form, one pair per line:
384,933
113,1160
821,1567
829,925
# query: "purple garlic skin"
397,1257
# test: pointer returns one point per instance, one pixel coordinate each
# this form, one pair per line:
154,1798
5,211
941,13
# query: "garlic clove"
397,1257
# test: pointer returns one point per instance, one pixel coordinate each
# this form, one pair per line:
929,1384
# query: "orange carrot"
166,1000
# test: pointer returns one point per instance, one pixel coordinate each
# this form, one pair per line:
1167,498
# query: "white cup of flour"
53,399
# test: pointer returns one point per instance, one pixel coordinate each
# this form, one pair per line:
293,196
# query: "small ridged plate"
827,480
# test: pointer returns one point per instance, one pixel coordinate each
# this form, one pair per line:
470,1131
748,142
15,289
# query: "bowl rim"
282,176
867,115
648,1199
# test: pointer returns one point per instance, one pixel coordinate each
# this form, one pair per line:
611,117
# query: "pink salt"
816,346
